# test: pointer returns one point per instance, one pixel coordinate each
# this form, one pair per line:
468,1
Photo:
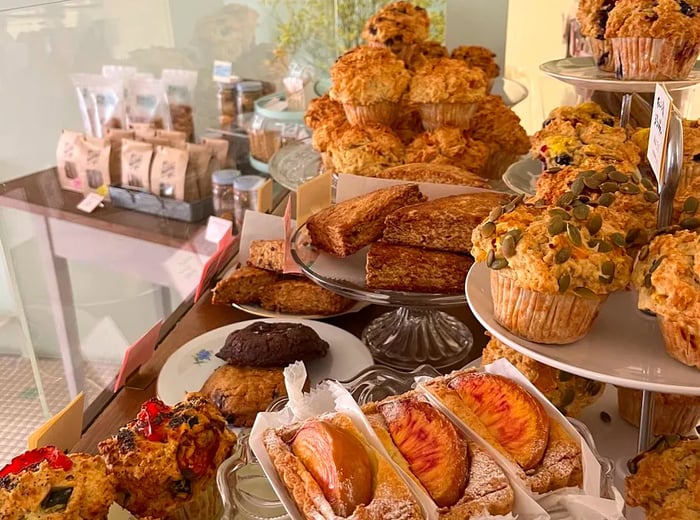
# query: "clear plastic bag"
105,103
180,88
147,103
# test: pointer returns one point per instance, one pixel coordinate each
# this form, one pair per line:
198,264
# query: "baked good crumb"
243,286
267,254
302,296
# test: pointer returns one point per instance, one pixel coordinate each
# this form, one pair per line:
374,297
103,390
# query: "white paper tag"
222,71
185,269
658,133
90,202
216,229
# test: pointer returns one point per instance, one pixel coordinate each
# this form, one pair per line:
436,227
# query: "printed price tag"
137,354
90,202
222,71
658,133
217,228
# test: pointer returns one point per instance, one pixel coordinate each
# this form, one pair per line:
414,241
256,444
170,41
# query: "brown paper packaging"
136,164
93,164
66,155
168,172
115,137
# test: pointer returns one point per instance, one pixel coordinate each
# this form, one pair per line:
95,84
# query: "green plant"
318,31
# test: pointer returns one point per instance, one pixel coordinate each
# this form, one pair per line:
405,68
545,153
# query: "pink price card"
137,354
289,266
225,251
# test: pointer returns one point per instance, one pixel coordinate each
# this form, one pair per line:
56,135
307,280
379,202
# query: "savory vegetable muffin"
369,82
667,274
654,39
446,92
323,116
592,16
395,25
499,127
569,393
477,57
365,150
47,483
448,145
665,480
673,413
165,460
551,268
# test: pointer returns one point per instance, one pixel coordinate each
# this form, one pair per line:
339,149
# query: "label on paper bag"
137,354
658,132
90,202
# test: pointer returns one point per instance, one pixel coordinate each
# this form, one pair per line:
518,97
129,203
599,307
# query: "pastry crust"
592,16
397,24
412,269
450,146
498,126
447,81
322,111
267,254
391,497
419,54
666,19
445,224
243,286
477,57
347,227
435,173
302,296
365,150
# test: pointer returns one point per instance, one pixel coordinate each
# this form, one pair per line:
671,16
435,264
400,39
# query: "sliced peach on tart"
515,418
436,452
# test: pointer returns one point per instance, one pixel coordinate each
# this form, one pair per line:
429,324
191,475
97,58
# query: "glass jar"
226,102
222,192
247,93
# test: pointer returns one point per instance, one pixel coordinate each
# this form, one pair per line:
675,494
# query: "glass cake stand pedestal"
416,332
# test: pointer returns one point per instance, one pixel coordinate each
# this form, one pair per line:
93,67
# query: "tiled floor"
20,409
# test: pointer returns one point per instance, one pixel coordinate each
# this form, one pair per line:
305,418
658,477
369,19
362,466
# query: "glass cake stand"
417,332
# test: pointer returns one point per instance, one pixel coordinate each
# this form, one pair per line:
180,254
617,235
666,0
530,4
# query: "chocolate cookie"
272,344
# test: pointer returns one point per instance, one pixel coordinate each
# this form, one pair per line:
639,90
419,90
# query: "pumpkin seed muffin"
165,460
673,413
366,150
369,82
551,268
592,16
448,145
397,24
498,126
477,57
665,480
447,92
667,274
419,54
691,154
569,393
47,483
654,39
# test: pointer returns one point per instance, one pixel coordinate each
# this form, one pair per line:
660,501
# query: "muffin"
592,16
369,82
498,126
165,460
365,150
408,125
583,113
478,58
418,54
446,92
47,483
324,116
449,145
673,413
654,39
691,155
396,25
667,274
569,393
551,269
664,480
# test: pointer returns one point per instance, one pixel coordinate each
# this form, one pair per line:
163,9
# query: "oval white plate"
188,368
624,347
521,176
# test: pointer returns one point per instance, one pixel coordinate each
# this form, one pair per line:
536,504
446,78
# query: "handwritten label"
137,354
225,251
658,133
63,430
217,228
90,202
184,268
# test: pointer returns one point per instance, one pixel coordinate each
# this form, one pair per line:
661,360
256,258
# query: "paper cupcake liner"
690,171
435,115
681,339
384,112
497,164
669,417
206,505
555,319
602,51
653,59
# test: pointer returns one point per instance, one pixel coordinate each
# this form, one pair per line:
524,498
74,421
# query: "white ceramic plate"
256,310
188,368
624,347
581,71
521,176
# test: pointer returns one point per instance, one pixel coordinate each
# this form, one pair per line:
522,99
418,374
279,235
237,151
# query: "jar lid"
248,182
225,176
249,86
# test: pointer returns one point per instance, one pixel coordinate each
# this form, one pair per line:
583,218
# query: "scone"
418,54
667,274
365,150
302,296
369,82
347,227
592,16
477,57
446,92
451,146
267,254
412,269
654,39
569,393
241,392
243,286
673,413
445,224
551,269
165,461
324,116
397,25
432,172
665,480
47,484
